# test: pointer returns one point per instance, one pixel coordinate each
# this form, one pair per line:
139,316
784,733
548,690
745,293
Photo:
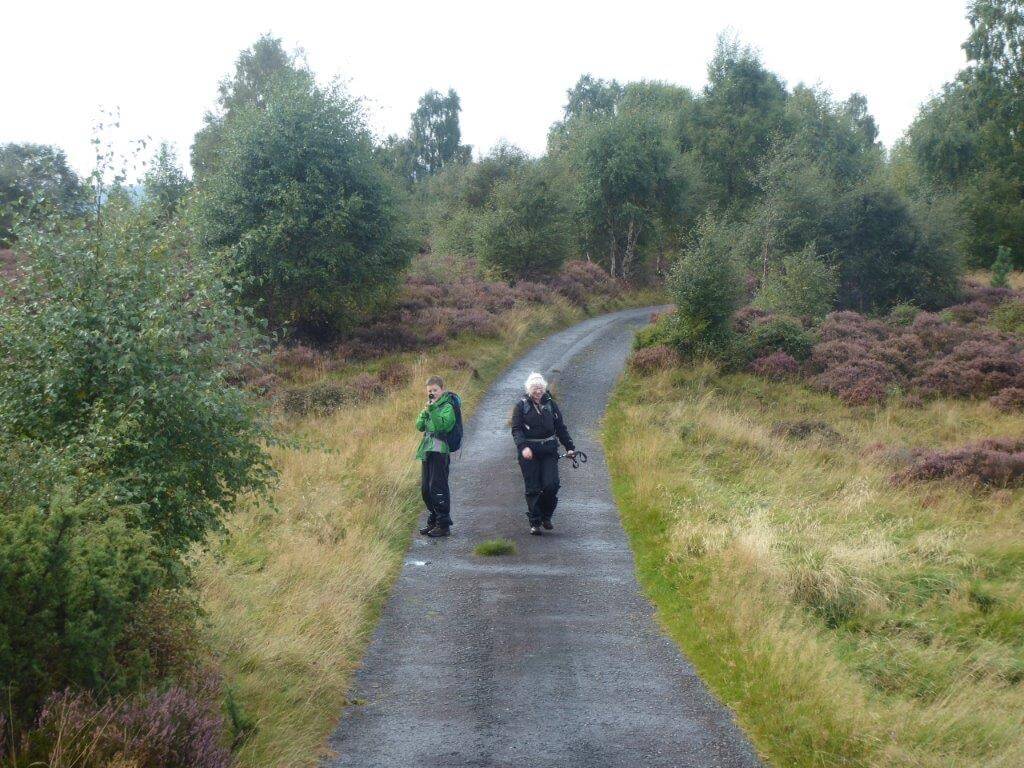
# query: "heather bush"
938,336
580,281
181,727
394,374
829,354
1008,317
857,382
476,322
851,326
365,386
648,360
530,292
1009,400
998,462
778,334
903,352
975,368
776,366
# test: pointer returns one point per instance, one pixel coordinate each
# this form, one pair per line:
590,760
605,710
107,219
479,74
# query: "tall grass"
293,589
848,621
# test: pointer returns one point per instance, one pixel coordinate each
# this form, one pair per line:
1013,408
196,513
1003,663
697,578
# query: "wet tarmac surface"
549,657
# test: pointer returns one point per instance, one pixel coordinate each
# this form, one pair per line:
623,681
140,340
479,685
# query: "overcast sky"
511,63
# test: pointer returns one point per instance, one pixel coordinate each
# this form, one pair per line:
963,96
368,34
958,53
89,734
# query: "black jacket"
537,422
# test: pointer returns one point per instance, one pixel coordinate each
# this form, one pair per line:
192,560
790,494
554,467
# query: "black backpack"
454,436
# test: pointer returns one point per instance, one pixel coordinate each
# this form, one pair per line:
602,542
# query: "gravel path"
549,657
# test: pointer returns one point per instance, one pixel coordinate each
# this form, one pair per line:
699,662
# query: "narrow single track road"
549,657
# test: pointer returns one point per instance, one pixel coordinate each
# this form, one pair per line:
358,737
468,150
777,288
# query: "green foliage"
806,286
164,183
779,334
705,283
435,137
258,71
118,343
35,179
308,218
72,575
1001,268
732,125
525,232
628,182
966,143
884,254
1008,317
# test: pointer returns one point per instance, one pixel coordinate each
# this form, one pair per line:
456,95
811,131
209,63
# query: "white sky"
511,63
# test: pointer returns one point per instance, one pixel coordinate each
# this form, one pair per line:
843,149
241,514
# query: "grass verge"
495,548
848,622
294,588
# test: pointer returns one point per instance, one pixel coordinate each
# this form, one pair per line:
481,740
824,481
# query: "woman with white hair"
537,428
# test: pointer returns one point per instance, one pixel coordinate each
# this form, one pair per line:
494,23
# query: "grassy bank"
294,588
847,620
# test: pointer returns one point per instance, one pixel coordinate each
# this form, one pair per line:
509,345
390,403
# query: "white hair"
533,380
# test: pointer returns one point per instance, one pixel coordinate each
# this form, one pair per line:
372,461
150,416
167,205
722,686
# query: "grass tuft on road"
495,548
847,621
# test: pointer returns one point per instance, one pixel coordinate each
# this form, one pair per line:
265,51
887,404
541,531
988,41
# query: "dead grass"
847,621
294,588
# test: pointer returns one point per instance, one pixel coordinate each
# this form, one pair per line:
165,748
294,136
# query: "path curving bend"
549,658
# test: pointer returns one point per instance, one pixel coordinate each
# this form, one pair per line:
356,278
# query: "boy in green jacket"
435,422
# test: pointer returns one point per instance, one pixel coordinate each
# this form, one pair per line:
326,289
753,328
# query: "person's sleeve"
421,421
562,431
518,433
442,419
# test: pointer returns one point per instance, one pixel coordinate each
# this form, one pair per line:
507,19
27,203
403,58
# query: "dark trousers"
540,476
434,487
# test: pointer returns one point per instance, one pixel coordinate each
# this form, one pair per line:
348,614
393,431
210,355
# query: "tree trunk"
630,255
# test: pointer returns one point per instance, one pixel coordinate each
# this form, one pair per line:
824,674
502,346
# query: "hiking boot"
438,532
425,530
547,525
535,530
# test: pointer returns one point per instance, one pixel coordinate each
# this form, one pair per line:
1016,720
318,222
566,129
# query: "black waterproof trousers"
434,487
540,476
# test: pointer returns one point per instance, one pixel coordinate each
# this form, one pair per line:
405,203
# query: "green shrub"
72,576
903,314
118,346
779,334
309,219
1001,268
664,331
805,287
525,232
706,284
1008,317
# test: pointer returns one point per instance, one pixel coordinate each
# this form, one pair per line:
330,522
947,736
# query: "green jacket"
435,421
